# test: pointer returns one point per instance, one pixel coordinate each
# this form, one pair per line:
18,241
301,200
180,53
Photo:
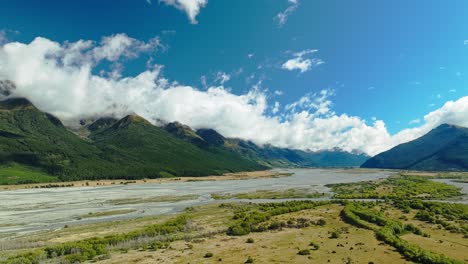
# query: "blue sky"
395,61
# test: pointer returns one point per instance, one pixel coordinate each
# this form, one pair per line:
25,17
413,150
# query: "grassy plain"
271,194
401,229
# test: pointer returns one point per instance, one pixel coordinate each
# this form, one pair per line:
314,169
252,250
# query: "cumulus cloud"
53,77
190,7
276,108
282,17
301,62
3,38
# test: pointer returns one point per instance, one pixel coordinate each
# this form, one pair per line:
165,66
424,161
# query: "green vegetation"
153,236
255,218
156,199
335,234
208,255
397,187
14,173
270,194
199,229
389,231
249,260
450,216
130,148
314,245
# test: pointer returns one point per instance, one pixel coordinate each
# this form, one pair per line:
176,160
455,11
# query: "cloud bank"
190,7
66,79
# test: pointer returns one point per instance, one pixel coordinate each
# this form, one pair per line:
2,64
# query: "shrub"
208,255
250,240
249,260
335,234
303,252
321,222
314,245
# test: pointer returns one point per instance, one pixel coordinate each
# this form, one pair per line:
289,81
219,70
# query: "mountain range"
444,148
132,147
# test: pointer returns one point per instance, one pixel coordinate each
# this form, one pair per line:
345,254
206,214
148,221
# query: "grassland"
100,183
394,230
396,187
20,174
270,194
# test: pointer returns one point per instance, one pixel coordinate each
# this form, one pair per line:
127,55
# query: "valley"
243,224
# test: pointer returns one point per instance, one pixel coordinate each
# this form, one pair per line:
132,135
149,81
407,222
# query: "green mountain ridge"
267,155
131,148
444,148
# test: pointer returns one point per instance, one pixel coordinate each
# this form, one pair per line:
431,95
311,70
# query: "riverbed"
31,210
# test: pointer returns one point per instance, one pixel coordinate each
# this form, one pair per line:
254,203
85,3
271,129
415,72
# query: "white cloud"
3,38
222,78
415,121
301,62
191,7
278,92
282,17
276,108
69,89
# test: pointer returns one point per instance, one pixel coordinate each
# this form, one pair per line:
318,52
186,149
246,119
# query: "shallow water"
23,211
462,185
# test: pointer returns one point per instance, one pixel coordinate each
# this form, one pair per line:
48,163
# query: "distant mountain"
267,155
336,158
442,149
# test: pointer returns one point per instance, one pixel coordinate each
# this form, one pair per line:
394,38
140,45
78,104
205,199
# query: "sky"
357,75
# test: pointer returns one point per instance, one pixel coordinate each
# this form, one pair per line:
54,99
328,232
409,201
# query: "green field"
20,174
270,194
396,187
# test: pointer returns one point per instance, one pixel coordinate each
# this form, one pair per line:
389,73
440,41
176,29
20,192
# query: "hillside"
443,148
31,137
127,148
32,141
149,151
267,155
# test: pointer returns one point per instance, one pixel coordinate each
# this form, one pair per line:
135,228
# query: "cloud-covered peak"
190,7
61,78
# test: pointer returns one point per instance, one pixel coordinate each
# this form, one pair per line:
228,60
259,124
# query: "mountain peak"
129,120
211,136
18,103
101,123
446,125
